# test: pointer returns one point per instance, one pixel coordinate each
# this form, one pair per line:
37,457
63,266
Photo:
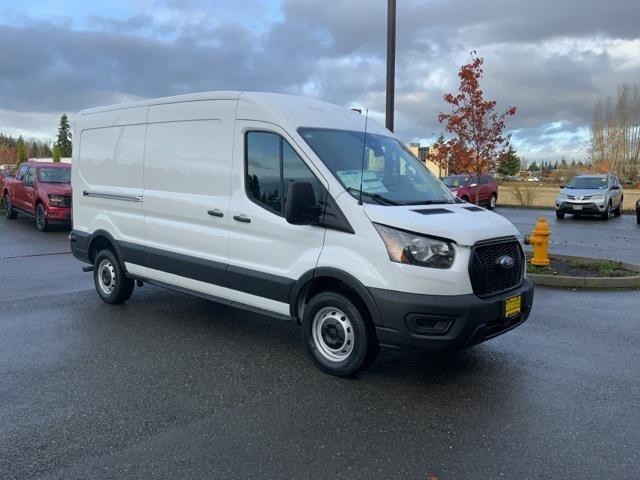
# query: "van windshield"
391,174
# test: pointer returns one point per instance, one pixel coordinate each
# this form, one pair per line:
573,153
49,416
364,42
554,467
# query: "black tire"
332,320
638,218
559,215
111,283
9,211
41,218
465,199
605,216
618,210
493,200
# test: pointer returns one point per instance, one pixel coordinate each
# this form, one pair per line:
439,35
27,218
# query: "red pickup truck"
41,190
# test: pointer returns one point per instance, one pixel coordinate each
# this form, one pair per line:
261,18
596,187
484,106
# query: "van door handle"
242,218
215,213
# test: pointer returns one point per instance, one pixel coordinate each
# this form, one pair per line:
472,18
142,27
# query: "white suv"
590,195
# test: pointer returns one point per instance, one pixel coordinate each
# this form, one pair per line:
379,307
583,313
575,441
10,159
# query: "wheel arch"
329,278
101,239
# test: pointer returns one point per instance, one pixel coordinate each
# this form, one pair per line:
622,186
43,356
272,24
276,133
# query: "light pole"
391,62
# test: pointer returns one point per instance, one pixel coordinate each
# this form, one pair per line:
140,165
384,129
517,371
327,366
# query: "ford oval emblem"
506,262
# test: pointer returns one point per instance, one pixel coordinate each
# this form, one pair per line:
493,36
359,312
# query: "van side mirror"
301,207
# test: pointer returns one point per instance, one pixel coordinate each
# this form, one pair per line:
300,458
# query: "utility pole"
391,62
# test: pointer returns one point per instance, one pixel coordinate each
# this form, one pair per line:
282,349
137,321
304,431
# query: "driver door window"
271,165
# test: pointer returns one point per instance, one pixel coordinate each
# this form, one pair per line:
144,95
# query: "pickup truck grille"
488,277
66,200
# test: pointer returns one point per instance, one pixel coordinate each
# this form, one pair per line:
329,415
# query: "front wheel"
338,335
619,209
41,218
110,280
607,212
638,218
493,200
559,215
9,211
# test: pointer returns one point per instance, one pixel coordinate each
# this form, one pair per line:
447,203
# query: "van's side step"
88,268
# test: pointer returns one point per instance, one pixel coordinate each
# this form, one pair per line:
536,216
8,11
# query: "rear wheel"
338,335
559,215
9,211
41,218
111,283
492,201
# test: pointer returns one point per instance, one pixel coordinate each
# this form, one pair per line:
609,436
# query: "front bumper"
58,214
569,206
438,323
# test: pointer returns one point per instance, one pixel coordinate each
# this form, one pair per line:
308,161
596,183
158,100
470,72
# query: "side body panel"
187,177
107,173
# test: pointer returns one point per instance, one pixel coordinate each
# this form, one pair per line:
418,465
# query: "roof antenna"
364,149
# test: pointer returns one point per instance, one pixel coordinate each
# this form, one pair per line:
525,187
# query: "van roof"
290,110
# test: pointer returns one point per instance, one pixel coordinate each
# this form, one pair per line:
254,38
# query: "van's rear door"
267,254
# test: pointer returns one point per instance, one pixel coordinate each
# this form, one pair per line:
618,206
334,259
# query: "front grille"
66,202
487,276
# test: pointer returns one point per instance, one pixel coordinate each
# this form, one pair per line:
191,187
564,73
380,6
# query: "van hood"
463,223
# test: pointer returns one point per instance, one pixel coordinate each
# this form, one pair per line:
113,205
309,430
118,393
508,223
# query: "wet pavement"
617,238
172,386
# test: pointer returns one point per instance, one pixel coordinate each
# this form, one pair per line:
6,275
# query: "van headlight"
414,249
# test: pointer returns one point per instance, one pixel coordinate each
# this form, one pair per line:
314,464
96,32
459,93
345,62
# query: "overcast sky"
552,59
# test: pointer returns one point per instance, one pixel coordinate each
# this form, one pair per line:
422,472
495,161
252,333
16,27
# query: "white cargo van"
288,206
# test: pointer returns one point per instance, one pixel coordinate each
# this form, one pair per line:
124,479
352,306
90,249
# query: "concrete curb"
587,282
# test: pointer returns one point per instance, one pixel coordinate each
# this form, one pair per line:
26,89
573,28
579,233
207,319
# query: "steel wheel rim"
106,277
333,334
492,202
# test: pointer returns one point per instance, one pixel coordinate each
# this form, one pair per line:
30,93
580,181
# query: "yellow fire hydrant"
539,239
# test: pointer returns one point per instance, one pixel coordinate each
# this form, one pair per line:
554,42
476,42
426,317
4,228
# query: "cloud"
553,60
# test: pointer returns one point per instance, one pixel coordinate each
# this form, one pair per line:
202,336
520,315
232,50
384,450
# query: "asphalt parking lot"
617,238
172,386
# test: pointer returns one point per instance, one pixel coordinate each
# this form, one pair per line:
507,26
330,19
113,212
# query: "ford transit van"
296,208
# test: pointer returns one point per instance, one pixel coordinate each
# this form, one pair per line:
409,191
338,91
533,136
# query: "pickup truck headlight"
56,200
415,249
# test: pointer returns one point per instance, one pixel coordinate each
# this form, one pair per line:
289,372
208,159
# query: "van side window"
263,175
271,165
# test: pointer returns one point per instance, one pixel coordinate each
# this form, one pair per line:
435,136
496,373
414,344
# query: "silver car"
590,195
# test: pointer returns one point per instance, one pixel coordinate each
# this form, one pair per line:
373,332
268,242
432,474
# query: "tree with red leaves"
478,140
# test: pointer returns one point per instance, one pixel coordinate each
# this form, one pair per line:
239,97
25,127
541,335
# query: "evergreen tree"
534,167
509,163
55,153
64,136
21,155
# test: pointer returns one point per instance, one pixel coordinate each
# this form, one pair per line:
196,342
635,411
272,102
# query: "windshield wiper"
378,198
